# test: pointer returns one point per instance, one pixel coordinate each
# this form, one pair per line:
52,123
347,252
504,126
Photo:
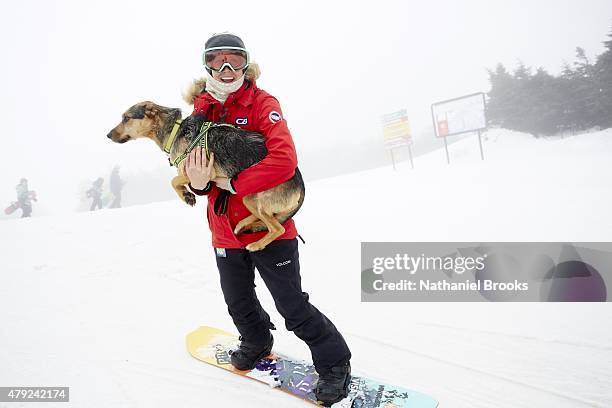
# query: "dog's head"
145,119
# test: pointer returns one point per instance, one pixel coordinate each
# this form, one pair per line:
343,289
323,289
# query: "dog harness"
172,137
201,139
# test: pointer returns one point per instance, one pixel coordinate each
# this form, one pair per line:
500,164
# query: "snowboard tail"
299,378
11,208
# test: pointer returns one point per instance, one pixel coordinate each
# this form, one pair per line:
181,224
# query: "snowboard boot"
333,385
248,354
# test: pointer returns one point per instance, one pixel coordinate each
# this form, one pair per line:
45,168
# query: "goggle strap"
225,48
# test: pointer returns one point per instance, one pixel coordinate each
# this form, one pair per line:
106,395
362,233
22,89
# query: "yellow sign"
396,129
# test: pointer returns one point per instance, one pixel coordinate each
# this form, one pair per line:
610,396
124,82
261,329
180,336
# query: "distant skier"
95,193
116,185
24,199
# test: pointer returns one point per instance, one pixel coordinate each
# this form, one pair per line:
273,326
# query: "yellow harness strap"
172,137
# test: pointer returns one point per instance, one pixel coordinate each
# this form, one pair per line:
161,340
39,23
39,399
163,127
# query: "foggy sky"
69,69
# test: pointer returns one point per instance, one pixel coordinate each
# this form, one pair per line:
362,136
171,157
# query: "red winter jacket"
255,110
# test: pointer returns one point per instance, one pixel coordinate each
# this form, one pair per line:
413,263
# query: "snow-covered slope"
101,302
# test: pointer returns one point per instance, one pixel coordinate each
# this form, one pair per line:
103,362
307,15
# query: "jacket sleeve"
279,164
202,192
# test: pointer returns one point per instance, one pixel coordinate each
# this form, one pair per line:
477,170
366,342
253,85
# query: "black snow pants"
26,208
278,266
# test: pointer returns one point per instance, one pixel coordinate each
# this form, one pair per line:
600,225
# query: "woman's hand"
197,169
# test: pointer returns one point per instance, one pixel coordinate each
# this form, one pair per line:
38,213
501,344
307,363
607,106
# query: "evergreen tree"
501,98
603,80
587,91
578,99
545,109
567,106
523,118
581,93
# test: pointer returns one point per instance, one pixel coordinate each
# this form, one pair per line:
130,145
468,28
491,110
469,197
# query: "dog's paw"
189,198
255,246
240,228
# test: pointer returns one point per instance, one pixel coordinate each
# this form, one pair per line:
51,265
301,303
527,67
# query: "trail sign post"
397,133
465,114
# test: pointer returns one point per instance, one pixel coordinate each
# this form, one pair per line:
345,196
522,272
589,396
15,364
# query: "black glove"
221,202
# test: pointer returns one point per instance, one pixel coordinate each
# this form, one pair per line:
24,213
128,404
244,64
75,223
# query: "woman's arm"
279,164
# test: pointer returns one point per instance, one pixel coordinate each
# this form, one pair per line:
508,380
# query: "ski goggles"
219,58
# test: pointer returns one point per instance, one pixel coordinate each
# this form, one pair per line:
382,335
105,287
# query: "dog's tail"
298,183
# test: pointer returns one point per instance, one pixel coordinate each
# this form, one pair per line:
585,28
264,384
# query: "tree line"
579,98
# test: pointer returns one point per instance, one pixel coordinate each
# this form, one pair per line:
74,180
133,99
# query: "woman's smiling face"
225,60
227,76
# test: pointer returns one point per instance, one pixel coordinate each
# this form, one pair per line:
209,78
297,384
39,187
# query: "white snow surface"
101,302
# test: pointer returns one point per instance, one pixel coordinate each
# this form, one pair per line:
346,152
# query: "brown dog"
234,150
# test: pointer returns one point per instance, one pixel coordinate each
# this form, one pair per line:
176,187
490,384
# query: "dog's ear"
151,110
137,112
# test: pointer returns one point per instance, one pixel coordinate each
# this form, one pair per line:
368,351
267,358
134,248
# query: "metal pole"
410,152
446,146
392,159
480,143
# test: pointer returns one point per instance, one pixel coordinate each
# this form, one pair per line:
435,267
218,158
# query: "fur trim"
194,89
197,86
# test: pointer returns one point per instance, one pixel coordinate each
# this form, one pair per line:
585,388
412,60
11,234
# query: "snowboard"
11,208
299,378
15,204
